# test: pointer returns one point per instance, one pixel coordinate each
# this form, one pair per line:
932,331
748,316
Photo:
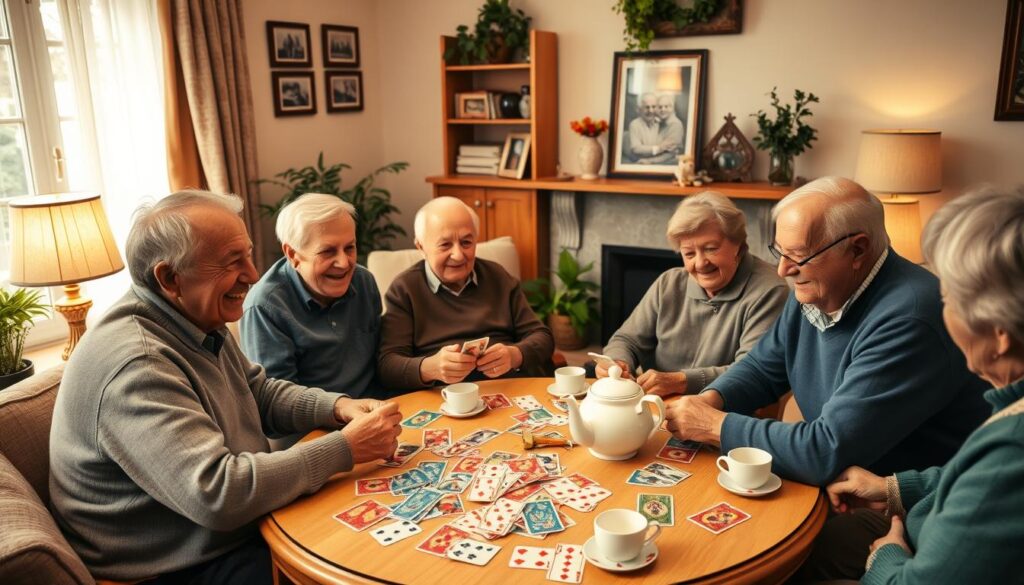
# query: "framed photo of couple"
657,111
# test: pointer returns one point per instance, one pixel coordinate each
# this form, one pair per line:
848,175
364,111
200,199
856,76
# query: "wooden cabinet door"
471,196
513,212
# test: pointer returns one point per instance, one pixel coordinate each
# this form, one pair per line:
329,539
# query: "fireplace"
626,274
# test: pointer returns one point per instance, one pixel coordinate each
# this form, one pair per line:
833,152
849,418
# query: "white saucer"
480,407
552,391
773,483
593,555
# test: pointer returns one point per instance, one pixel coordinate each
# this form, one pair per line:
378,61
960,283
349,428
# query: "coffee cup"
622,534
461,398
747,467
569,380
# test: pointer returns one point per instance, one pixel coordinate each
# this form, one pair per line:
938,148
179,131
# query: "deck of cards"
475,348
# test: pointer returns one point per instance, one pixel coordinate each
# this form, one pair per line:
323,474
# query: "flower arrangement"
588,127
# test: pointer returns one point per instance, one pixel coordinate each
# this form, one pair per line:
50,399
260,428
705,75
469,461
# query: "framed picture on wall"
294,93
344,91
289,44
657,111
1010,92
341,45
514,155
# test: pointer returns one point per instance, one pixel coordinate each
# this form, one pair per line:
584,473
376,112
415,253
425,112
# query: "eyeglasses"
779,255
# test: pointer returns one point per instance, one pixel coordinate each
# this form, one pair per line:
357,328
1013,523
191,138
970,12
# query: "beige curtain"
211,130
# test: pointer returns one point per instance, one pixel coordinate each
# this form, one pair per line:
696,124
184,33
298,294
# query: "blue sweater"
885,388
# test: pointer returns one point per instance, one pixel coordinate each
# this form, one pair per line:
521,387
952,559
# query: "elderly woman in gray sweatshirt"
695,321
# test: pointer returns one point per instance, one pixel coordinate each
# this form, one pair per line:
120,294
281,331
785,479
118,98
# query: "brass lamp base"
74,307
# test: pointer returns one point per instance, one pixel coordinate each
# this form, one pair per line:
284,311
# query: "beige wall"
875,63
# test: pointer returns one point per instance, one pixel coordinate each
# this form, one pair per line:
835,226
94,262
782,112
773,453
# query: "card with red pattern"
363,515
531,557
373,485
567,566
719,518
442,538
496,401
434,438
467,465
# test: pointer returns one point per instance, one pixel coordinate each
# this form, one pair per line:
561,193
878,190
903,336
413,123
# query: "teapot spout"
581,432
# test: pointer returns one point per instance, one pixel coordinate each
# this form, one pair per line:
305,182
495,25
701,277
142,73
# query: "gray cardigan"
158,458
676,327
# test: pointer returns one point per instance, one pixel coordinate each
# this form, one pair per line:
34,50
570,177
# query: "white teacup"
747,467
569,380
622,534
461,398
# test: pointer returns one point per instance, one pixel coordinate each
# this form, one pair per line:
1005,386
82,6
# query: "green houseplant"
374,227
641,15
787,135
500,32
568,309
17,309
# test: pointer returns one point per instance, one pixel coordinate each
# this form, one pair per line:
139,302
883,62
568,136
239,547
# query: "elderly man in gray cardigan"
159,460
697,320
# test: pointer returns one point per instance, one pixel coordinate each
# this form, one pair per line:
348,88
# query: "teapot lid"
615,386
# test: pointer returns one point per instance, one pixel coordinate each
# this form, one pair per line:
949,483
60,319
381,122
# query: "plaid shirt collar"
822,320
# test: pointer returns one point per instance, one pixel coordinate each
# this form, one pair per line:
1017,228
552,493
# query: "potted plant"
567,309
590,155
17,309
500,33
374,228
786,136
641,16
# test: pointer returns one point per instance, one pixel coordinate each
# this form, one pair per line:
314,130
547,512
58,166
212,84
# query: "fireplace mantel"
663,187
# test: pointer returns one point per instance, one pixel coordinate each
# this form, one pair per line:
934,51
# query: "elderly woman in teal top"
964,521
697,320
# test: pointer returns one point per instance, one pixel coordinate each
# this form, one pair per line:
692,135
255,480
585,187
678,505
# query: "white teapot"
612,420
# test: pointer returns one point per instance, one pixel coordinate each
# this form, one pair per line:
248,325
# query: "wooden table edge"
301,565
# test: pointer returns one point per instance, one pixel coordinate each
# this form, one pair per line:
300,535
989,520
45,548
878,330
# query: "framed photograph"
344,91
657,111
341,45
471,105
514,155
1010,93
289,44
294,93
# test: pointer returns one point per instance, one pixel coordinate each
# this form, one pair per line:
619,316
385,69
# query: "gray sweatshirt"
158,453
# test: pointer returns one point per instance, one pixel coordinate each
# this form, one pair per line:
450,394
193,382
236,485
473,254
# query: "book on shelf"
478,161
476,170
481,150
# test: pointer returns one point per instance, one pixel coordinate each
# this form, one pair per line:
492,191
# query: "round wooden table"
309,546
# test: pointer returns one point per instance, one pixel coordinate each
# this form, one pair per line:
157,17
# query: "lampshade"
900,161
60,239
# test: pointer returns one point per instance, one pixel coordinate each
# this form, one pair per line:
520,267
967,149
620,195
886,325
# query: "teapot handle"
659,405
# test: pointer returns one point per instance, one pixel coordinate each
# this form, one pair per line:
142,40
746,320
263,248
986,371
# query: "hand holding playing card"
857,488
896,536
691,418
499,359
374,435
662,383
448,365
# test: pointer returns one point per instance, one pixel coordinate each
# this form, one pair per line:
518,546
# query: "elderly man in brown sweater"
452,297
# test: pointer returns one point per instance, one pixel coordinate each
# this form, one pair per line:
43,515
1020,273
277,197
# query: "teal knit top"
965,520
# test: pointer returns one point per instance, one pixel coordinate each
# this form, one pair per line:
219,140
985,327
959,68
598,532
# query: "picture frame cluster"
294,92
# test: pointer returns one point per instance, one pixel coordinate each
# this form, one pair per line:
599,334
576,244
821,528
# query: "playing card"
467,465
557,420
373,485
408,481
540,415
470,521
719,518
681,444
580,480
500,516
433,469
389,534
404,453
434,438
562,489
459,448
646,478
500,457
455,483
438,542
484,489
567,565
417,504
667,471
552,465
496,401
522,494
542,518
587,498
526,402
421,419
657,507
479,437
559,403
472,551
363,515
678,450
531,557
476,347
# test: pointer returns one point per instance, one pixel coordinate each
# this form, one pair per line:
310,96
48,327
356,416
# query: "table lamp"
894,164
62,239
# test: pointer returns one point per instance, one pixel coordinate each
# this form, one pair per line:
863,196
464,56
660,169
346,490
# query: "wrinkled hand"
499,359
447,365
897,536
346,409
602,372
374,435
856,487
692,418
662,383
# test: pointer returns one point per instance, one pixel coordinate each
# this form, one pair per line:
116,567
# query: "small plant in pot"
499,34
567,309
17,310
786,136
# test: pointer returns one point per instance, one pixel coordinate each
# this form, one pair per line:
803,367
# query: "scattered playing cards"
389,534
472,551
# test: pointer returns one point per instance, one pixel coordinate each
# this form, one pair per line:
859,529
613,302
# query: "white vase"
591,156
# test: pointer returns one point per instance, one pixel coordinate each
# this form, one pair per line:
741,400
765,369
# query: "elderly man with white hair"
159,462
314,316
860,342
452,297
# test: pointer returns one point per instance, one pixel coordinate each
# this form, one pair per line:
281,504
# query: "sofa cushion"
26,410
32,549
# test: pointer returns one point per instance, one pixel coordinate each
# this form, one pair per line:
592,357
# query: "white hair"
309,210
975,243
696,211
419,223
162,232
850,209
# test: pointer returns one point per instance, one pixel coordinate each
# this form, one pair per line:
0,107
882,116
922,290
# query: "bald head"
442,209
446,231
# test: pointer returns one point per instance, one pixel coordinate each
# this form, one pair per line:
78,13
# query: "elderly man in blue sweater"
860,342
